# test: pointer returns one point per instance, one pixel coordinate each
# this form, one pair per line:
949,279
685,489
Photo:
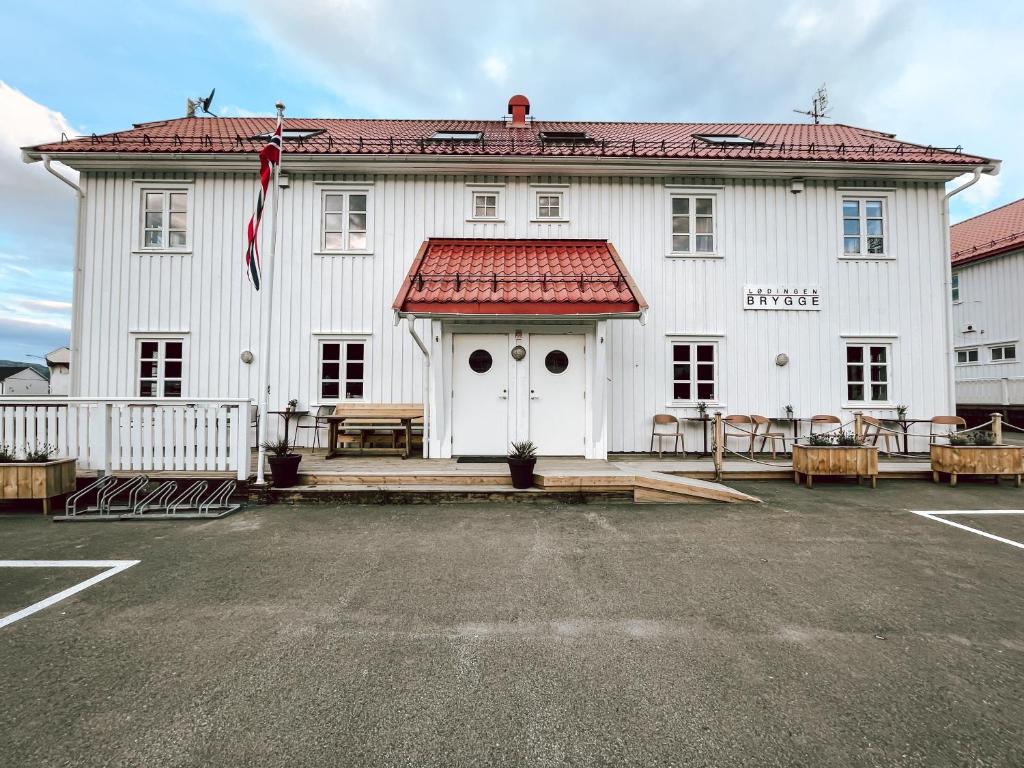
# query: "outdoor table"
904,425
287,416
364,412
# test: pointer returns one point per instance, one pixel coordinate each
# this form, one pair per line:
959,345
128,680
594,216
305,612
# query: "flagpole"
267,314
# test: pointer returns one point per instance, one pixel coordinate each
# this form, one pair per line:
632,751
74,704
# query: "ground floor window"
1003,353
160,367
867,373
342,369
694,371
965,356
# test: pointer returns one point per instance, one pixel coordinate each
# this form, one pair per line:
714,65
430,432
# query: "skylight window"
457,136
293,134
726,138
565,136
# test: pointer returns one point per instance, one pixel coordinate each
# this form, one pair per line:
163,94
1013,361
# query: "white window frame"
347,190
863,195
965,351
161,378
498,190
954,287
693,342
140,189
561,191
890,356
714,193
342,380
1001,348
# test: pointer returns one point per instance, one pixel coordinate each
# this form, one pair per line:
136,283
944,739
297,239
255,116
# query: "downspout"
74,386
950,344
410,321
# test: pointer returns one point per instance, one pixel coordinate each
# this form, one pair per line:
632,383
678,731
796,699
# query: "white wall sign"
806,297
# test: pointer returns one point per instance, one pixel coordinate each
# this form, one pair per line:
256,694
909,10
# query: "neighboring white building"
59,363
988,310
567,281
22,380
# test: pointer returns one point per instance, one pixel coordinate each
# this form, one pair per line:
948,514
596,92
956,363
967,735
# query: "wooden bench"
368,419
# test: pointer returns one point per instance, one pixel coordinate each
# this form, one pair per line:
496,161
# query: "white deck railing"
133,434
990,391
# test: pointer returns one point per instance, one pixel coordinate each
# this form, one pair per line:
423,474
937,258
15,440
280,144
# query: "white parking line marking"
113,567
935,515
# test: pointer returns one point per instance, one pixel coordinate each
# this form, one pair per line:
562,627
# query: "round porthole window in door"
556,361
480,360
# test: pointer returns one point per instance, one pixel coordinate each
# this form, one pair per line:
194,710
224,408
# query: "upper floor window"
694,371
342,369
165,219
160,367
485,203
345,222
865,230
954,286
867,373
693,224
965,356
1003,353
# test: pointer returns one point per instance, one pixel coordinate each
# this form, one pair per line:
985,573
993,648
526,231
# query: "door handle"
534,395
503,395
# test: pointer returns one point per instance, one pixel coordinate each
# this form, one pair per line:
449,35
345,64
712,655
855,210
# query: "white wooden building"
22,380
744,266
59,363
987,254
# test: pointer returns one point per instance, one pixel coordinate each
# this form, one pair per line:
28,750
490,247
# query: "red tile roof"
466,276
241,135
988,234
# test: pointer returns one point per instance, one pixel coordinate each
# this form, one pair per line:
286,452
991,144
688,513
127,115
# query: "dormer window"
292,134
566,137
726,139
456,136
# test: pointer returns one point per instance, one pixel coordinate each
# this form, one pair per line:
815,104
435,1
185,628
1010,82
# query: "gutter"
990,169
77,276
410,323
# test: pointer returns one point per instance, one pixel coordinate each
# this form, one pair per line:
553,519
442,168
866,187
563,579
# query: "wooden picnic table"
370,417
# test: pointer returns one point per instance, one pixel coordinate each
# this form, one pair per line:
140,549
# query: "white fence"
132,434
1005,391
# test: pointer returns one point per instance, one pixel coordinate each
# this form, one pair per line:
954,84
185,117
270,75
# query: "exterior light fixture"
518,352
246,357
796,186
781,359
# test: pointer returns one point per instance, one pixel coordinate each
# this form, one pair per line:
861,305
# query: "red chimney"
519,108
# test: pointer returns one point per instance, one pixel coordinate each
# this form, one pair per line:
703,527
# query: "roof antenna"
202,103
819,106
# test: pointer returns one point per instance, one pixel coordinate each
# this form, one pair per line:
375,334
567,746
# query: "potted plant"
37,476
293,404
702,408
521,461
284,465
976,453
789,412
840,454
901,412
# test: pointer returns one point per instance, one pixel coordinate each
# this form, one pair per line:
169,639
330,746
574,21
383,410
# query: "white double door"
497,399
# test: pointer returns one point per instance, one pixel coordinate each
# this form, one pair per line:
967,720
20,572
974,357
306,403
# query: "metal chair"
676,434
743,428
319,422
957,422
824,418
767,434
874,431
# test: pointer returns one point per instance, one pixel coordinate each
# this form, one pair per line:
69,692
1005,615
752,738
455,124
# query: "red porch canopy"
468,276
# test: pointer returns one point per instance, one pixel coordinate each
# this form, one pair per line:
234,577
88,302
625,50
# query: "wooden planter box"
835,461
997,460
38,480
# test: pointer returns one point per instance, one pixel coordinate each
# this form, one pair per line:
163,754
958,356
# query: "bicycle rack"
157,498
131,488
97,485
136,498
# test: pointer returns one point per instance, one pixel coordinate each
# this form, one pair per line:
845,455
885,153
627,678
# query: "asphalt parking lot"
827,627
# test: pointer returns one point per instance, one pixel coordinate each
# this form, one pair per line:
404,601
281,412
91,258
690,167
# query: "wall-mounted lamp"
796,186
781,359
518,352
246,357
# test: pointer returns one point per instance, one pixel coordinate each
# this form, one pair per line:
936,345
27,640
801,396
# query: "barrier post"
719,446
858,426
997,427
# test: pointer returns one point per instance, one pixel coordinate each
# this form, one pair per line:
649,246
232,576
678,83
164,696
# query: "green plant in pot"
521,461
284,465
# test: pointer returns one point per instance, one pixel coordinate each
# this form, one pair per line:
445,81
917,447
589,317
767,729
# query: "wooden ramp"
647,487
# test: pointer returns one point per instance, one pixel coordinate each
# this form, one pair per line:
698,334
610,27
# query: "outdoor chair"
874,431
676,433
743,427
762,429
826,421
319,422
956,422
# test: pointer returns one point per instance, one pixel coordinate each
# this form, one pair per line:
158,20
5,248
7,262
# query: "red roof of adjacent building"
238,135
988,234
467,276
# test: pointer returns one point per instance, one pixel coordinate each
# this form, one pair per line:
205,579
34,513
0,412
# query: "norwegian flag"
270,157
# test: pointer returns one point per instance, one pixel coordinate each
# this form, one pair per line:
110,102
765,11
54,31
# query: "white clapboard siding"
992,306
766,235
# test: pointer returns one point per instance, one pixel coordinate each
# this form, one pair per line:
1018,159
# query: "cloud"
496,69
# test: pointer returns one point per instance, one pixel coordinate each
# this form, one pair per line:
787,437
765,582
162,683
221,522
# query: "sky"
931,71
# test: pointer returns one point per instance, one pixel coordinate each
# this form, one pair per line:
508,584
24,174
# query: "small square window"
345,221
164,219
864,227
549,205
485,205
693,224
868,373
